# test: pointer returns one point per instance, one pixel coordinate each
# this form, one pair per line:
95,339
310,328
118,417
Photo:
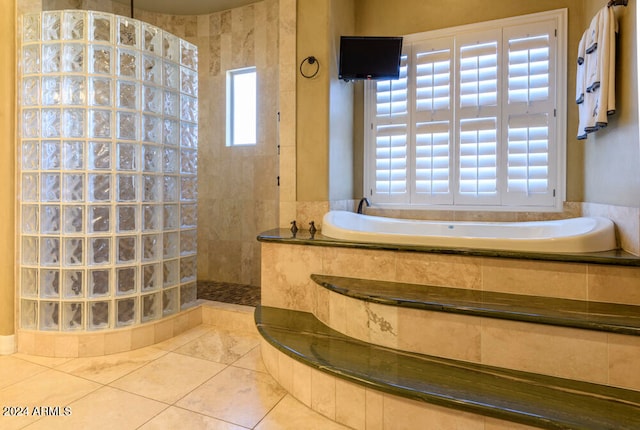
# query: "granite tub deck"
396,336
521,397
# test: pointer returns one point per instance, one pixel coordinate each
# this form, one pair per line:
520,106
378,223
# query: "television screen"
365,57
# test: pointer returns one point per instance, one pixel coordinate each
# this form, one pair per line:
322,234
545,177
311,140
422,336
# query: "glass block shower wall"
108,160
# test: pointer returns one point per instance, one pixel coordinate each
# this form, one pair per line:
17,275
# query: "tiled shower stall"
108,164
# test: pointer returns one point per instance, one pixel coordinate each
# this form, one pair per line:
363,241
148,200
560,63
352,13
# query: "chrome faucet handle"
294,227
313,228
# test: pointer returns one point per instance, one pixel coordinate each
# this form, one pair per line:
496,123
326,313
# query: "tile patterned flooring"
205,378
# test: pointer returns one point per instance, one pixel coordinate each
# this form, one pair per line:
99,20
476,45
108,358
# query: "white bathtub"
572,235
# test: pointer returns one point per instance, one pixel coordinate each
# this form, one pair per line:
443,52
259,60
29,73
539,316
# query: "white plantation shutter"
474,120
432,121
391,130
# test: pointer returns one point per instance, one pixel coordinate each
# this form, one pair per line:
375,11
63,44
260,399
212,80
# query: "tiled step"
608,317
516,396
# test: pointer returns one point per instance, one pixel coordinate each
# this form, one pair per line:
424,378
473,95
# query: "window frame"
231,105
553,201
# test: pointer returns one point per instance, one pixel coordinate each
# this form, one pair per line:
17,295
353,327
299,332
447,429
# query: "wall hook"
311,60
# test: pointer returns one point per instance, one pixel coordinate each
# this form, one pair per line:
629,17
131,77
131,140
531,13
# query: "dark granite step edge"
526,398
600,316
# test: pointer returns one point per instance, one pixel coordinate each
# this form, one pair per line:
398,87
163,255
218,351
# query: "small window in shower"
241,107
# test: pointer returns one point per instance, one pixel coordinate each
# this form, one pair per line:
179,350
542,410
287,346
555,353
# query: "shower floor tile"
227,292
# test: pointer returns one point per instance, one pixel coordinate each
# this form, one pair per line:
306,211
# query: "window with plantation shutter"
476,119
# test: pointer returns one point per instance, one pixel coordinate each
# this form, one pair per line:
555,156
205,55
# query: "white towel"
595,78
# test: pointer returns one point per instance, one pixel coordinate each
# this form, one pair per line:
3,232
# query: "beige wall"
7,164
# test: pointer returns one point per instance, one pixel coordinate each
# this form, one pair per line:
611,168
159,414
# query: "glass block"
98,315
171,76
187,269
125,312
188,135
100,123
188,55
127,249
99,282
170,189
151,216
127,157
127,218
100,92
50,187
30,154
73,155
99,250
99,219
72,316
49,316
74,90
170,160
170,245
151,129
99,156
29,187
49,283
188,215
188,189
30,250
100,26
170,302
28,314
51,121
128,95
152,97
49,251
152,69
51,58
126,280
151,39
189,81
171,104
73,121
73,58
74,23
31,123
127,188
73,218
188,108
151,158
188,242
127,31
150,247
170,132
151,277
99,188
170,217
51,91
171,47
170,273
127,124
72,283
128,64
100,59
73,187
50,219
151,191
30,91
51,24
73,251
31,59
188,161
51,155
31,27
29,219
151,307
29,282
188,295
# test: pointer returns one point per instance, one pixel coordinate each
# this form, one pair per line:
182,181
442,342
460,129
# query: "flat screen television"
367,57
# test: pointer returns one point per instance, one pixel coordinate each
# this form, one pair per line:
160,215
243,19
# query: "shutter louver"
478,157
528,154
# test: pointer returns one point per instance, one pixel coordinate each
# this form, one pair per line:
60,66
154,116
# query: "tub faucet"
362,200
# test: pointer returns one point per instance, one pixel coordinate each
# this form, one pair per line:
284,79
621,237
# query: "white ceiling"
186,7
